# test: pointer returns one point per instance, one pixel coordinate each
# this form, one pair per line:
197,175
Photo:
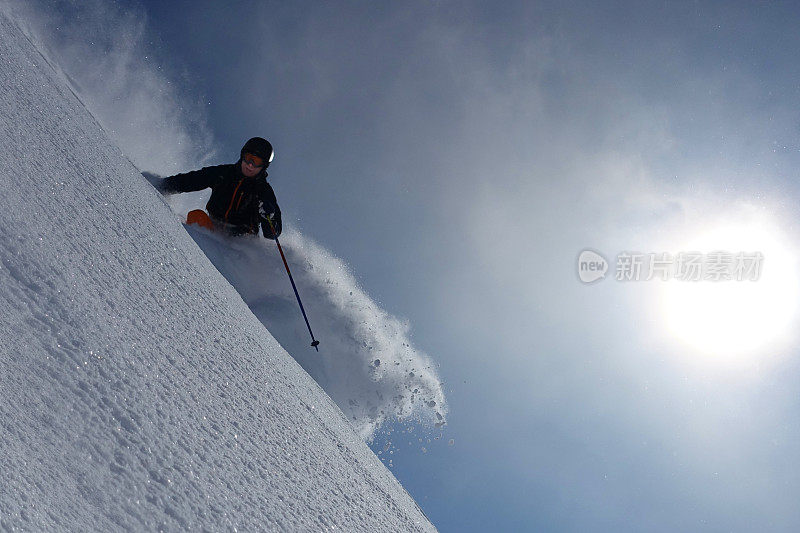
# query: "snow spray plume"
366,364
104,53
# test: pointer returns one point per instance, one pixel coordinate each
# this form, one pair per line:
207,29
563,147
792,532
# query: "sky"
458,156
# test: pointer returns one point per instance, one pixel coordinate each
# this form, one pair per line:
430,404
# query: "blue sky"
458,156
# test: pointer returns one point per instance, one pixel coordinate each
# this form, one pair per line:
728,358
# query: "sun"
731,319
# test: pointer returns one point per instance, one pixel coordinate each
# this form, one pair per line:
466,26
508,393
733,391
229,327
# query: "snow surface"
138,390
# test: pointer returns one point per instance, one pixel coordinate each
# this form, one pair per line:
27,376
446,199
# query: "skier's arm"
196,180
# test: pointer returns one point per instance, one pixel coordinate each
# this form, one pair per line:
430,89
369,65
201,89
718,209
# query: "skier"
241,199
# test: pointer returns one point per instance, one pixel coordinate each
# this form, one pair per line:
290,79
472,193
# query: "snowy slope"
137,389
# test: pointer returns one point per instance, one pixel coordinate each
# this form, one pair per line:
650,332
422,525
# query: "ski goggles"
253,160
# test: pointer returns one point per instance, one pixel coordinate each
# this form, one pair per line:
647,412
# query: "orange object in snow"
199,217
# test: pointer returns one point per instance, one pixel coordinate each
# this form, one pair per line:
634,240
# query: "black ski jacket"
237,202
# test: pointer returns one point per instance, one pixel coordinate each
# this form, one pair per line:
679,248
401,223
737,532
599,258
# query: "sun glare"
735,318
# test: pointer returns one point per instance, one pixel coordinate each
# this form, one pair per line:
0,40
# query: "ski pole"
314,342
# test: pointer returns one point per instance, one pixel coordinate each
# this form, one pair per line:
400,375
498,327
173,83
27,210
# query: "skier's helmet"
259,147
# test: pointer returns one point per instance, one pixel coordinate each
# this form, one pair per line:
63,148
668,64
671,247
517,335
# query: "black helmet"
260,147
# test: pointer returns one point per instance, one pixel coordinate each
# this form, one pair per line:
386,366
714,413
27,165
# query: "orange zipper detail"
233,196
